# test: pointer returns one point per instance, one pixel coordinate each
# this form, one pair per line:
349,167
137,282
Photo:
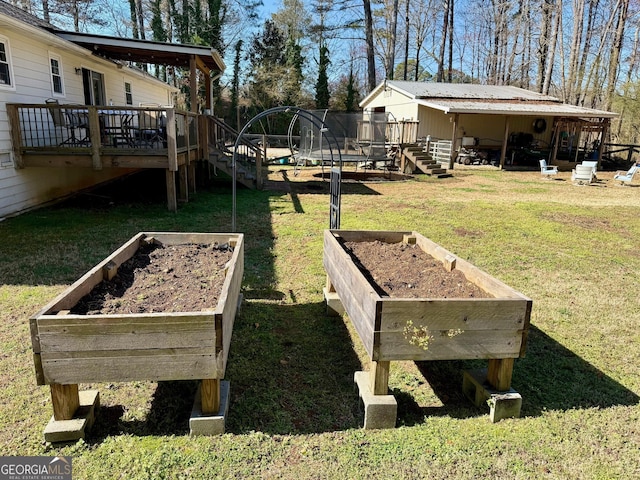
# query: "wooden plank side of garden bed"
356,294
370,235
228,303
77,333
447,345
181,238
463,314
128,365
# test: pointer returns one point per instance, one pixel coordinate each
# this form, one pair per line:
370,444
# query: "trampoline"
362,138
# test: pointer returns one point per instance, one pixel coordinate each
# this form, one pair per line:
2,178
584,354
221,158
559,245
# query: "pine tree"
322,85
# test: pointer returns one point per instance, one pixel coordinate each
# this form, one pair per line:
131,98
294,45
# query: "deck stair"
221,158
222,140
414,158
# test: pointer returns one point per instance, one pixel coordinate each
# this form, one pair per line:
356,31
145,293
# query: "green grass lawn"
294,412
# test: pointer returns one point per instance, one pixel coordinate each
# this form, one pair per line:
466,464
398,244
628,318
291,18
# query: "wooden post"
603,135
193,84
183,187
555,137
172,200
16,135
172,146
259,181
500,372
505,140
379,377
210,395
95,137
453,154
329,285
65,400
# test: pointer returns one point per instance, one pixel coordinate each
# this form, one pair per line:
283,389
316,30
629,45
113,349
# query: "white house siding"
29,48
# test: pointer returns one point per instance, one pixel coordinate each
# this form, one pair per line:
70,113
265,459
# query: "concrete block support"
380,411
75,428
334,305
205,424
501,404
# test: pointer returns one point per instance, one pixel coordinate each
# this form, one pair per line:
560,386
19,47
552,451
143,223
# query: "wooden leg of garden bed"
334,305
65,400
210,395
379,378
500,372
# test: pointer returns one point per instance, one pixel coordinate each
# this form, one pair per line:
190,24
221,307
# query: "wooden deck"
97,137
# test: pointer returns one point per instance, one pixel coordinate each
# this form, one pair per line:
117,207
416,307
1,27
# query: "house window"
6,79
56,75
127,93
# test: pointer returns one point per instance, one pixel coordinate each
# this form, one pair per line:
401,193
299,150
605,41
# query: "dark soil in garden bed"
402,270
172,278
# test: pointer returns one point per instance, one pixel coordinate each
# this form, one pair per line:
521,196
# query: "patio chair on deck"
71,120
547,170
151,127
626,177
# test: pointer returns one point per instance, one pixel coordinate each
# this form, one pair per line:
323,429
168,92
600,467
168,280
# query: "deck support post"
172,200
183,187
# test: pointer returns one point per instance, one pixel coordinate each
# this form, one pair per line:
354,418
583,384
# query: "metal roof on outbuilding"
504,107
465,98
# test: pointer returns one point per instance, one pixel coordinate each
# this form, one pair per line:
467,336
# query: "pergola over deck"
202,58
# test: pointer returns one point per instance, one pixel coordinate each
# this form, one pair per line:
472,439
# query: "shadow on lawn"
290,370
549,377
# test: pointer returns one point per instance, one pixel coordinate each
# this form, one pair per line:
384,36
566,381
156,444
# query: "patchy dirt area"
401,270
172,278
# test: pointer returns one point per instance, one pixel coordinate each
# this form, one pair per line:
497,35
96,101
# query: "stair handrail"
244,141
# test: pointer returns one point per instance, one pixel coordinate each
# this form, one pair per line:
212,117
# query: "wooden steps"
222,160
414,158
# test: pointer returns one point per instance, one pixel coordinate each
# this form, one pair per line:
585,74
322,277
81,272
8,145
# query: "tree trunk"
443,43
552,49
391,60
371,60
543,43
450,69
614,60
407,31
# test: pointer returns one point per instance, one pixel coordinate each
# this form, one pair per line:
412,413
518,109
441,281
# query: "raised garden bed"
475,316
116,327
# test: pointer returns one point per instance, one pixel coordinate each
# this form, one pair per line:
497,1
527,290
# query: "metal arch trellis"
336,173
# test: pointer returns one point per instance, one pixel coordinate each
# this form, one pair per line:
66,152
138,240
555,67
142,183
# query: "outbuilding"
507,125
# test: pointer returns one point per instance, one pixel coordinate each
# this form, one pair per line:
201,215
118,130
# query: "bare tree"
443,43
614,59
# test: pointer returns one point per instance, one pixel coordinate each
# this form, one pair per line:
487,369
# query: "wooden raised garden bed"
494,327
71,348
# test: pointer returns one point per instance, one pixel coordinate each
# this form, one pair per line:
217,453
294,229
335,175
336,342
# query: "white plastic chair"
626,177
594,165
582,174
547,170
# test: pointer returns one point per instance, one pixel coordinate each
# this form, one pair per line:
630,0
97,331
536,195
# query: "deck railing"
67,129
